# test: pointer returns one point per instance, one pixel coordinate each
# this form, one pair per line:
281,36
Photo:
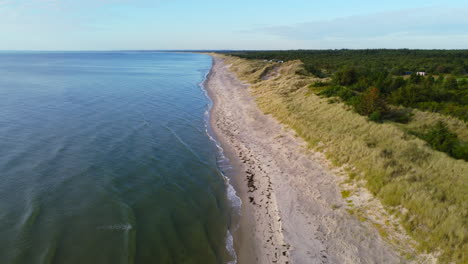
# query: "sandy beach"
292,210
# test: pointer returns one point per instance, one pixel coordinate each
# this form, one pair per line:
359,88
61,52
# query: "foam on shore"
223,165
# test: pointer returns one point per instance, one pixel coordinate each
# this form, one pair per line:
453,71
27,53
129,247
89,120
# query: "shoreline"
288,194
244,245
225,168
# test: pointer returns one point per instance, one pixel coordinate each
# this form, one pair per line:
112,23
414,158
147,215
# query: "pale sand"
292,209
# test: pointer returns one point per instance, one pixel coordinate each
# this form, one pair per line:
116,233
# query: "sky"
238,25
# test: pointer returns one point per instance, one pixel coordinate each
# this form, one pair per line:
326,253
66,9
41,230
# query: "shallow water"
104,158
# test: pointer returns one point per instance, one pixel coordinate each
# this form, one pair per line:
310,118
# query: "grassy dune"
425,188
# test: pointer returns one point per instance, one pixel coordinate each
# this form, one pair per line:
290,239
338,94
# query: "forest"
386,85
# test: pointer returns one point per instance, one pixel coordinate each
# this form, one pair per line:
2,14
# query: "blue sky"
241,24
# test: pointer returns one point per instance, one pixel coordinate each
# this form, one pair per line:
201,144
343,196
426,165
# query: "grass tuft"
345,194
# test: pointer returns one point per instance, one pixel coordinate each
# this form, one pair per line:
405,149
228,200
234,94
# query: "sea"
108,157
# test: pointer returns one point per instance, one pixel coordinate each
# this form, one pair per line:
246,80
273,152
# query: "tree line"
324,63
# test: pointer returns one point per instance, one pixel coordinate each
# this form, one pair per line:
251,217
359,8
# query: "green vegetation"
355,71
442,139
417,92
371,82
446,96
426,188
398,62
345,194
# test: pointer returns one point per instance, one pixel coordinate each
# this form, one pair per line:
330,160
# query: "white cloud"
404,28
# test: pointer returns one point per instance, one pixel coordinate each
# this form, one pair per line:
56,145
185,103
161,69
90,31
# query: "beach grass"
426,189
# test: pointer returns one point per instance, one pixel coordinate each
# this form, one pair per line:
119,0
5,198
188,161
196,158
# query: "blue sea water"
105,158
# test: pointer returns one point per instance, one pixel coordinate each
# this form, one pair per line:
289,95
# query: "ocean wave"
223,165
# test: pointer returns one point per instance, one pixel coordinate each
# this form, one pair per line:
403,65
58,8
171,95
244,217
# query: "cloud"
411,22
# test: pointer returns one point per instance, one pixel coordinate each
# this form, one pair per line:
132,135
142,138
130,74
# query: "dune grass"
426,189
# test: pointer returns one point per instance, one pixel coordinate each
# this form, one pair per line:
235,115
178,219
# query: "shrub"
320,84
376,116
440,138
347,76
370,102
460,151
451,83
331,91
315,71
399,115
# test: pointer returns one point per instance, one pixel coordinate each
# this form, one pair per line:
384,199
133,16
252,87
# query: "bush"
320,84
370,102
440,138
402,115
315,71
460,151
376,116
451,83
347,76
345,93
462,82
330,91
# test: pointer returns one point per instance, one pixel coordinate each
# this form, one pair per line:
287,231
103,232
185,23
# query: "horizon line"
215,50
